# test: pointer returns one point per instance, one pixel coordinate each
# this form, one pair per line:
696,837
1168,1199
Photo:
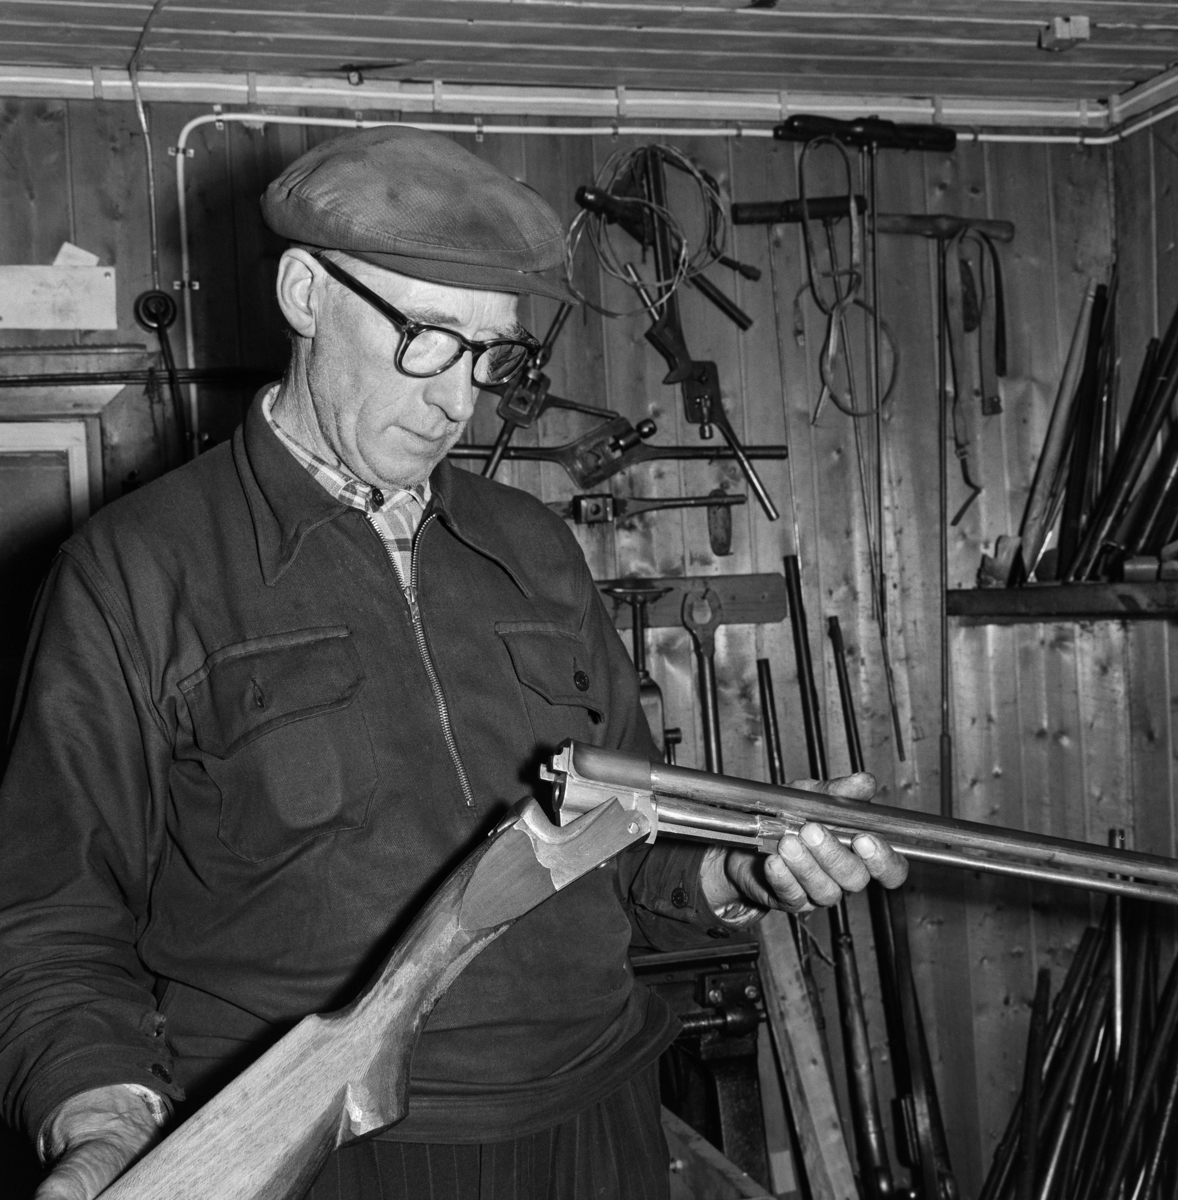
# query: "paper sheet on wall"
58,297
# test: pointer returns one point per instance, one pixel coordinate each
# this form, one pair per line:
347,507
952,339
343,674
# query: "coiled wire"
595,228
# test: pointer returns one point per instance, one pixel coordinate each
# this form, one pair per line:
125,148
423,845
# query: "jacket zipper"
423,652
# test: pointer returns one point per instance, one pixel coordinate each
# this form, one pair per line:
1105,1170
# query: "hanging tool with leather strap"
974,366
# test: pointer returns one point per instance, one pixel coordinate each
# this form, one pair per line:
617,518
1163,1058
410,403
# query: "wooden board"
1066,602
745,599
700,1172
803,1064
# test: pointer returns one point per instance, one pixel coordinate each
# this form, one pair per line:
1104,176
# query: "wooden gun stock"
337,1077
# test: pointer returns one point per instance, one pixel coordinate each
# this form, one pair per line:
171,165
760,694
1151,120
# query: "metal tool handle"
703,631
499,449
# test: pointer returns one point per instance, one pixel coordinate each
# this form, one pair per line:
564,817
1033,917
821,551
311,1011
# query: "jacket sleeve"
659,881
81,807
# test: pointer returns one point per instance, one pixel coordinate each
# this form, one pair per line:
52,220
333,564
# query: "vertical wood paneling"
34,197
109,203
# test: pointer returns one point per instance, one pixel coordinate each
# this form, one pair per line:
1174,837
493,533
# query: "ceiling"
922,48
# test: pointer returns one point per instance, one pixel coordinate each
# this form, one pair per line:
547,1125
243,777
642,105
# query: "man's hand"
92,1139
809,869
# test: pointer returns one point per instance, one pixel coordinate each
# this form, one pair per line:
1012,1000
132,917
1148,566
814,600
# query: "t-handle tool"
598,508
638,593
700,383
867,132
702,613
524,399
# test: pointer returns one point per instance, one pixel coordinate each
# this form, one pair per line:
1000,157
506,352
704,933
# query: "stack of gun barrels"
1119,514
1096,1116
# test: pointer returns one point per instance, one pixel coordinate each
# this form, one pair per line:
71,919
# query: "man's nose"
453,390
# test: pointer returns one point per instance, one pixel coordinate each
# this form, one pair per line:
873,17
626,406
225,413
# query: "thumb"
87,1170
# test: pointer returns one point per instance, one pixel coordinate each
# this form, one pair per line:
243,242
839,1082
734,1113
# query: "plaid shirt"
395,517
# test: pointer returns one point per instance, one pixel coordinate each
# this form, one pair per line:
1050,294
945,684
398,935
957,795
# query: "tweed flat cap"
418,203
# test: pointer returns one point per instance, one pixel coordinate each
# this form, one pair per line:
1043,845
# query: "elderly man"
274,697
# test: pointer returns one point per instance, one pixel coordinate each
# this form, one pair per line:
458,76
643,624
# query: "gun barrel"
955,842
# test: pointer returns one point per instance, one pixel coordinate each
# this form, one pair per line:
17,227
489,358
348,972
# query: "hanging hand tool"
769,722
525,398
672,739
699,380
700,384
867,132
637,220
600,508
592,458
835,208
638,593
702,614
612,447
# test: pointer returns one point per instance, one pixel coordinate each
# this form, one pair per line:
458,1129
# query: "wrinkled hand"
812,868
92,1139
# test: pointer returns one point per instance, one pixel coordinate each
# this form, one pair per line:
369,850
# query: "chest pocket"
283,738
563,689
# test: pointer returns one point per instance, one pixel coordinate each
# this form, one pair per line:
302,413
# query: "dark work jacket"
232,785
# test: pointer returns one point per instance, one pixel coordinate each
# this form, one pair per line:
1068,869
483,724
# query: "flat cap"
418,203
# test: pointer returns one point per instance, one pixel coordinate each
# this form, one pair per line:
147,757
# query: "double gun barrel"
718,808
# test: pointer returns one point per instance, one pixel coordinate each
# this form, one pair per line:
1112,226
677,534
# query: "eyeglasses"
428,350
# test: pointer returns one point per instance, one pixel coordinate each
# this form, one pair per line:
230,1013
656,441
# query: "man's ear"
298,274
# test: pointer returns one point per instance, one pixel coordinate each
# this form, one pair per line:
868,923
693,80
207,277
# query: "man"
273,698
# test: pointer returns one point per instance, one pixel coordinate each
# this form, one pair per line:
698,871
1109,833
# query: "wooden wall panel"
34,198
1145,175
1060,728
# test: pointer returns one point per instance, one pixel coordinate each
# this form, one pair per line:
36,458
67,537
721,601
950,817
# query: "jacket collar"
462,505
286,503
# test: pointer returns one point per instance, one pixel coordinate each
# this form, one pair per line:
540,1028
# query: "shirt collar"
339,483
286,503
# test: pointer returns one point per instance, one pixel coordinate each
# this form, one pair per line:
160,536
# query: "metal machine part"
709,1075
524,399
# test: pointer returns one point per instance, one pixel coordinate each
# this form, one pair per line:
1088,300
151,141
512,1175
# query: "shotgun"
335,1078
342,1076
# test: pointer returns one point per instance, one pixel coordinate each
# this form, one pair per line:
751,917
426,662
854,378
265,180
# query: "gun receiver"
740,812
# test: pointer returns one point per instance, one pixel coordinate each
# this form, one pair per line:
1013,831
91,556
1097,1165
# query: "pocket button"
581,681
